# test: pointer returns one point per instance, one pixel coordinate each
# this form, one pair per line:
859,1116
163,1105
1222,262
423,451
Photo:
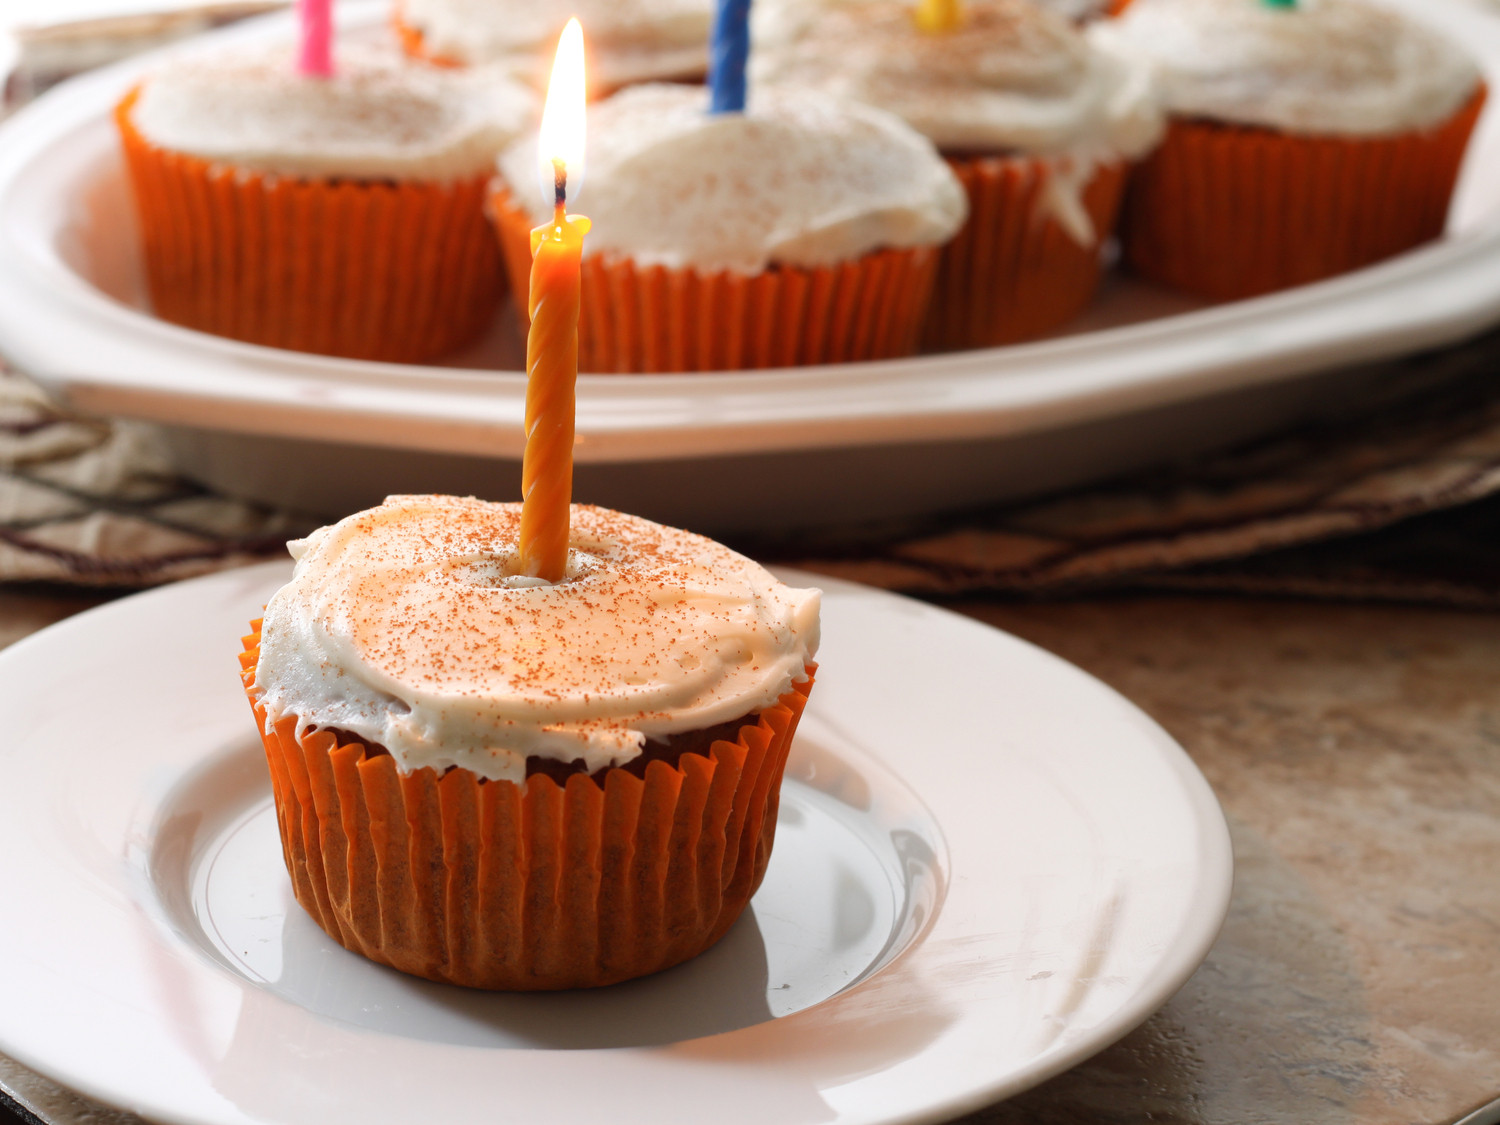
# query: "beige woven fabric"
1429,442
1329,510
97,503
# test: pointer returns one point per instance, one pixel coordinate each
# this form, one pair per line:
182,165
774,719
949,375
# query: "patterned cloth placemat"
1243,520
97,503
1387,501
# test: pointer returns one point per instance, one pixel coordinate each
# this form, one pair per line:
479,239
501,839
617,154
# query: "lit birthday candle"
315,49
552,343
938,16
728,50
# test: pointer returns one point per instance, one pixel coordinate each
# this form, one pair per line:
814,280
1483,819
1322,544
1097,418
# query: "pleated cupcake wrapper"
500,885
1013,272
1227,212
651,318
402,272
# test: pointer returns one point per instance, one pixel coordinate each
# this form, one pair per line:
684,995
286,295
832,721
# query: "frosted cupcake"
1305,140
1038,123
339,215
629,41
805,230
505,783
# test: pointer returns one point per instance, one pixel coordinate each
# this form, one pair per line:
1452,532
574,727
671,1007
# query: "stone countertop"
1356,751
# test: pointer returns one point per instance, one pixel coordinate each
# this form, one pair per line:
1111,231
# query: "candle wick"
559,182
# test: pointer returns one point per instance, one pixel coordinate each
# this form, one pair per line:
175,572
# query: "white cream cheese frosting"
1340,67
1013,77
626,41
406,625
380,116
799,179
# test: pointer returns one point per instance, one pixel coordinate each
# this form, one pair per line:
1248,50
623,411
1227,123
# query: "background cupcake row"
891,187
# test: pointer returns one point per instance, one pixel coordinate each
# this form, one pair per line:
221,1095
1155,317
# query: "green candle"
1279,3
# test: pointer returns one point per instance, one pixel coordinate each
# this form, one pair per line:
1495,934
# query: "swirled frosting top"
1342,67
1012,77
380,116
627,40
800,179
408,625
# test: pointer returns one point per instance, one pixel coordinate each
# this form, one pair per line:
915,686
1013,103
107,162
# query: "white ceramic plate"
1130,385
988,866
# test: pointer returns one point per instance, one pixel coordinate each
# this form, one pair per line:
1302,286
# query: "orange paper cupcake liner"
651,318
499,885
402,272
1012,272
1228,212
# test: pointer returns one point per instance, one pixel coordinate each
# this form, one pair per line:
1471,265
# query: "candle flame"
560,154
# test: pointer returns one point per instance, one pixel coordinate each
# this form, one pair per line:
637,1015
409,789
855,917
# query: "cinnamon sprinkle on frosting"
410,626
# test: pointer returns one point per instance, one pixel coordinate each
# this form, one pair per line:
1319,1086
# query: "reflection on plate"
988,866
851,886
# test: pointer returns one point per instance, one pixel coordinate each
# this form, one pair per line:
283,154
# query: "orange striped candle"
552,342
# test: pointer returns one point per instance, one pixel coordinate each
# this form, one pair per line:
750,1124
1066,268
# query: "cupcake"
802,231
340,215
505,783
1038,122
1305,140
629,41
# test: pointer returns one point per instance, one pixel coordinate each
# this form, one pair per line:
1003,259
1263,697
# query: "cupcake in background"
804,230
629,41
341,215
1038,122
1307,139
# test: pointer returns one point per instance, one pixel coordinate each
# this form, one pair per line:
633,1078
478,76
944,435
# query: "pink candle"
315,58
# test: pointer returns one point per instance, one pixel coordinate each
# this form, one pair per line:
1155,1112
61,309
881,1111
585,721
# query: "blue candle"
727,52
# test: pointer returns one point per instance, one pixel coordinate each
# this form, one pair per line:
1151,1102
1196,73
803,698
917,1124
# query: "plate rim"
1430,296
1200,926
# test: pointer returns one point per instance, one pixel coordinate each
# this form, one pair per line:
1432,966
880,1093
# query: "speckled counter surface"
1357,754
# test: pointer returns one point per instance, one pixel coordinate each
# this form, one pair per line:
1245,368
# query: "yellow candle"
552,342
938,16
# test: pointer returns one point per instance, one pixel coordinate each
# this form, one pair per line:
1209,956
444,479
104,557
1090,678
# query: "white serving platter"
988,866
1141,377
